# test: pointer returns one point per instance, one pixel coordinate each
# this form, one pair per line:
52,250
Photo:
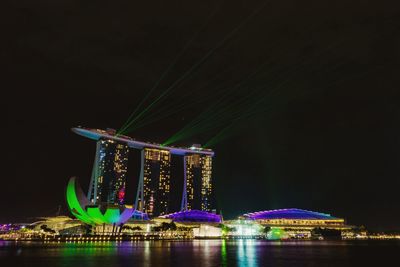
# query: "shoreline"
102,239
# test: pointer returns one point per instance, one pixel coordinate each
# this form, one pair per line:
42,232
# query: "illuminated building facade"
206,185
155,187
109,172
107,185
297,219
296,223
198,188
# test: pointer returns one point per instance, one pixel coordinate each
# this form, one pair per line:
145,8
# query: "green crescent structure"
80,207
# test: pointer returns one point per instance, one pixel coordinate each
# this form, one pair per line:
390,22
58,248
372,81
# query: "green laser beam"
208,126
165,114
199,63
211,109
295,70
164,74
167,110
224,132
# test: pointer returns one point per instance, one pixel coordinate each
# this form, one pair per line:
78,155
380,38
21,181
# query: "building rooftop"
288,214
96,134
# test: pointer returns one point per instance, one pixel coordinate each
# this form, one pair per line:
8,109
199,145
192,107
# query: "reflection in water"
246,253
251,252
206,249
223,253
195,253
74,254
88,249
147,253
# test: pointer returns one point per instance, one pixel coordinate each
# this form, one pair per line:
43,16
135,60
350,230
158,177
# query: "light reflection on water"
194,253
246,255
223,253
147,252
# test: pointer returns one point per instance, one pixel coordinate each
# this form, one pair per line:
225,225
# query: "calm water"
203,253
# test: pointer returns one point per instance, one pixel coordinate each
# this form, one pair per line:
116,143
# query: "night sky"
310,116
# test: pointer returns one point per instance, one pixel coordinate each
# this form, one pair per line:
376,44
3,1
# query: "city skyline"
299,101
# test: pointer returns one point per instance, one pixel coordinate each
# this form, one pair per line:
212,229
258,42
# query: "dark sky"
325,137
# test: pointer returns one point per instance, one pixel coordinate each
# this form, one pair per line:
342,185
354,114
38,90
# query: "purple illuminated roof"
193,216
289,214
138,215
9,227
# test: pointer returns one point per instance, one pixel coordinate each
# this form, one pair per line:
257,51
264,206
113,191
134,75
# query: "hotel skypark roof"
97,134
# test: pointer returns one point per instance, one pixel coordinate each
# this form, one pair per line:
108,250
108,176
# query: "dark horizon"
310,116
